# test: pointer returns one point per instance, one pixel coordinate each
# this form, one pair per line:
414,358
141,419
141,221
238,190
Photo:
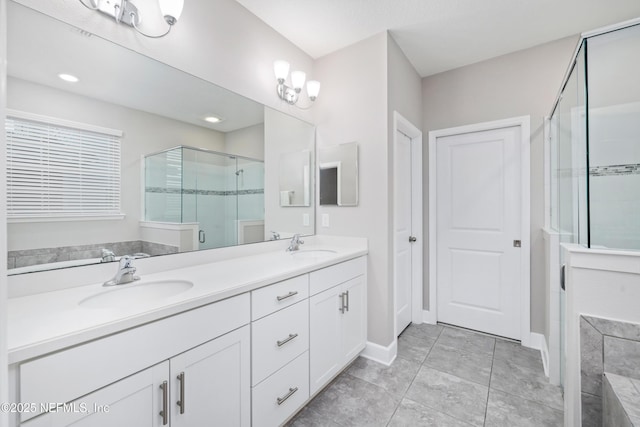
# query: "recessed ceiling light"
213,119
68,78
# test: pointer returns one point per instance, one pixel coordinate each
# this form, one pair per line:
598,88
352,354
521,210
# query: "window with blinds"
57,168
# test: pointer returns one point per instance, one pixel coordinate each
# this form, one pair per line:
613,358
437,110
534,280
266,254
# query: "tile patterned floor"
442,377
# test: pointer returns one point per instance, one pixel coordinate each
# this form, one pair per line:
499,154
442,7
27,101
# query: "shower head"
239,171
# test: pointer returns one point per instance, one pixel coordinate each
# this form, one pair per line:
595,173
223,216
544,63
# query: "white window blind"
57,168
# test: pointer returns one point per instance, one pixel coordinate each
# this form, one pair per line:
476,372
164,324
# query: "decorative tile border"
164,190
614,170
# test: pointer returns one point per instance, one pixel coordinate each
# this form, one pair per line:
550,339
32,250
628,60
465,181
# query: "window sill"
64,218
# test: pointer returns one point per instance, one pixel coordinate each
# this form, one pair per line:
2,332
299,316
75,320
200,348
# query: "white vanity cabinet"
197,361
279,348
337,320
253,359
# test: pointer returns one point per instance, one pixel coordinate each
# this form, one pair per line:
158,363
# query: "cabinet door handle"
289,295
165,397
286,340
181,401
284,398
341,296
347,306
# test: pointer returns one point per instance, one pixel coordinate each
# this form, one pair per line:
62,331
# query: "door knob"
412,239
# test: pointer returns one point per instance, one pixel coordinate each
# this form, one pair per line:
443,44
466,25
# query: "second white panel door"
478,229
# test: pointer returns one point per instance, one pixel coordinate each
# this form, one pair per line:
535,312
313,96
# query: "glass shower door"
569,168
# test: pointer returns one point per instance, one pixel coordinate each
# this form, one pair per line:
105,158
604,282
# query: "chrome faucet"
125,274
275,235
107,255
295,243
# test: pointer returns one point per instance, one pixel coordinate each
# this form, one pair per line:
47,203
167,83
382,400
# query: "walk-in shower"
594,148
221,194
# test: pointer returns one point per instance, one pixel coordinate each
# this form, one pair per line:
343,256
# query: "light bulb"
281,70
171,10
313,89
297,79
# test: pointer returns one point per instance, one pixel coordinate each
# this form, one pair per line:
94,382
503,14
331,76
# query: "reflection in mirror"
338,174
294,179
152,108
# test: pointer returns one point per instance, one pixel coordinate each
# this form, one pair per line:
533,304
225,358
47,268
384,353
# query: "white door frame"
431,316
406,127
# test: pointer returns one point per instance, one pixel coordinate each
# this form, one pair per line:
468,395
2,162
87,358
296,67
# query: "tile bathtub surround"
621,401
605,346
442,377
25,258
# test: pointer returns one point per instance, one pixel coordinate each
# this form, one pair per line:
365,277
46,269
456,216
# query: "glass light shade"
281,69
297,79
172,8
313,89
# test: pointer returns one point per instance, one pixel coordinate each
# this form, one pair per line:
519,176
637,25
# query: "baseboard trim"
545,357
538,342
381,354
429,317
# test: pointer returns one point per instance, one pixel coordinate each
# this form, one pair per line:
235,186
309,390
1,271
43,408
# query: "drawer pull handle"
180,402
284,398
286,340
165,397
289,295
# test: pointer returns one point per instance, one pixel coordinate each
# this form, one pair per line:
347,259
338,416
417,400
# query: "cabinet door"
354,319
135,401
325,355
212,383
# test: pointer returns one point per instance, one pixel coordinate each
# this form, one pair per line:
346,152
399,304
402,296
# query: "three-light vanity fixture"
291,94
124,11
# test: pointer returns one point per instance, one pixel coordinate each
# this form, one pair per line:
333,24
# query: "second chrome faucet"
295,243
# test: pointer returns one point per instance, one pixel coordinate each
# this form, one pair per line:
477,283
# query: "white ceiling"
438,35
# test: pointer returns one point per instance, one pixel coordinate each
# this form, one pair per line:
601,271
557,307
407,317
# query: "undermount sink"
134,293
313,253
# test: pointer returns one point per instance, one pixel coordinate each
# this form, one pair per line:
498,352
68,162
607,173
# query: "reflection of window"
57,168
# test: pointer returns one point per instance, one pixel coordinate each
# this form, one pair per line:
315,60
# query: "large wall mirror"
129,159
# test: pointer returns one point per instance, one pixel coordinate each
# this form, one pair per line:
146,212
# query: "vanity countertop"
50,321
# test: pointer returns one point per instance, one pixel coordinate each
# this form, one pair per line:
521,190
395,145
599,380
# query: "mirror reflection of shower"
203,198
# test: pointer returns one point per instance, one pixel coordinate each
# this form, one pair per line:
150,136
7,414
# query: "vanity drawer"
69,374
274,297
277,339
328,277
282,394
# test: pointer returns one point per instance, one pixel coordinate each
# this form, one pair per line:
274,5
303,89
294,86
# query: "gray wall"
362,85
352,107
521,83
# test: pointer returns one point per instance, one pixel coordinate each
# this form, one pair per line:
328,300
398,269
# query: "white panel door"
478,222
402,231
212,383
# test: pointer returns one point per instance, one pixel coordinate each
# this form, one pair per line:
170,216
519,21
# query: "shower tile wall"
615,177
614,139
